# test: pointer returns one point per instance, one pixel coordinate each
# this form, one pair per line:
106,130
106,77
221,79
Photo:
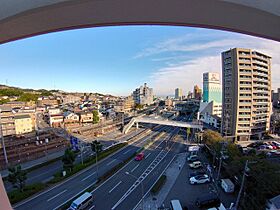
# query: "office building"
143,95
178,93
212,90
246,93
197,93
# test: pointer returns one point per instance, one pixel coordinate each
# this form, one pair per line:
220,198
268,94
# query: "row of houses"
58,119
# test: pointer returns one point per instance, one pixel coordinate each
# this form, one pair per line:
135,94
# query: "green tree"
17,177
26,97
139,106
96,146
3,101
68,159
95,117
213,140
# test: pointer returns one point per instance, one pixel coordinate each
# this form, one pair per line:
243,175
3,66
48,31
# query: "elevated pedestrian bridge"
160,121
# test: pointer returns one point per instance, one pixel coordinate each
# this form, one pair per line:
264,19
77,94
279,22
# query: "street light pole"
142,188
3,142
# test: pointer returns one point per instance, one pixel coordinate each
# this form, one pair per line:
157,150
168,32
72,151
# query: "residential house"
85,117
70,117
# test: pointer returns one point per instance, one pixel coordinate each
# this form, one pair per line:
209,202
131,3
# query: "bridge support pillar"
137,125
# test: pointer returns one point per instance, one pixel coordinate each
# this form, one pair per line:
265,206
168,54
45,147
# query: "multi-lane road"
56,196
124,190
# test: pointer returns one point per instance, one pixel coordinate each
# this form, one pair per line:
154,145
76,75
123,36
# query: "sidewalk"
152,202
30,164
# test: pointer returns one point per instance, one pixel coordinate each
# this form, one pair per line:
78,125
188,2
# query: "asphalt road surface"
56,196
123,191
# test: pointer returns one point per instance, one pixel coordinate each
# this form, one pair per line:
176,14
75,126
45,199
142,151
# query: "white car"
200,179
196,164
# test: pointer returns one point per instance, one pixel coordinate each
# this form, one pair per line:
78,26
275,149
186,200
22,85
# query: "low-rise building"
85,117
70,117
212,120
7,121
273,203
23,124
56,120
53,111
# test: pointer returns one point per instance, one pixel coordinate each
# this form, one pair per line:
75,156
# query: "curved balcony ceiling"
26,18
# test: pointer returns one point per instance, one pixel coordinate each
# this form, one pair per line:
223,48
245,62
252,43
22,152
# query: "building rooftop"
276,201
22,116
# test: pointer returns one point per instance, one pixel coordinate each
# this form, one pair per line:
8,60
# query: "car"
139,156
195,173
200,179
196,164
192,158
276,144
268,146
208,200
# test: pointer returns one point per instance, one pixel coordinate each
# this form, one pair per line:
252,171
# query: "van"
208,200
227,185
82,202
175,205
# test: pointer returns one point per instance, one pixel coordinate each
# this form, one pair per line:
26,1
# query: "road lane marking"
127,151
111,162
56,195
134,168
115,186
148,155
88,176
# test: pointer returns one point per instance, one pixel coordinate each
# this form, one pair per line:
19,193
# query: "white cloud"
185,74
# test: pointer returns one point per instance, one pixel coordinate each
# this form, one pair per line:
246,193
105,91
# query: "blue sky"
116,60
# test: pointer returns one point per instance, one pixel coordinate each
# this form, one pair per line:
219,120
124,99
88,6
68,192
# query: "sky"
116,60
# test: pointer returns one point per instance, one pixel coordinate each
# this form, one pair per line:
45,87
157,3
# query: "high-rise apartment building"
178,93
246,93
143,95
212,90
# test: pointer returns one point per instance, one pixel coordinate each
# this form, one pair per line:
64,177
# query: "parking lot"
187,193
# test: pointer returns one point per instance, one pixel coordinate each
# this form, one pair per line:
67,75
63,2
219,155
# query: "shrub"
158,185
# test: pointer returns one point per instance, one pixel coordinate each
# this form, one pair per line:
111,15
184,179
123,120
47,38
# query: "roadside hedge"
158,185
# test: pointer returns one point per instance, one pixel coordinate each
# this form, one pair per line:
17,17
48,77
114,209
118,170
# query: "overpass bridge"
160,121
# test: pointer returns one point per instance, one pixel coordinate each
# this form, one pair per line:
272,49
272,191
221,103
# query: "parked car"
196,164
195,173
227,185
276,144
200,179
268,146
139,156
273,146
192,158
208,200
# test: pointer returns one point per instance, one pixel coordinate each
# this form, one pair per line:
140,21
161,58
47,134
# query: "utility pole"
3,142
242,185
96,160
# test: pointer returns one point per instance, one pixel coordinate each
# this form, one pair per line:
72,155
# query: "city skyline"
157,55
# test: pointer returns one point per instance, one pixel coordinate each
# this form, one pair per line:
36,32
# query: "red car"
139,156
